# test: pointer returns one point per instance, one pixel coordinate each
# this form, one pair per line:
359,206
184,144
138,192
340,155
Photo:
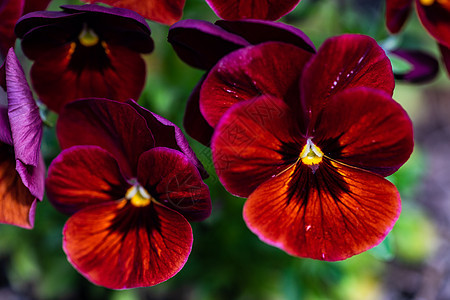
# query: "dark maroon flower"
434,15
256,9
189,37
22,168
85,51
162,11
311,163
10,12
132,183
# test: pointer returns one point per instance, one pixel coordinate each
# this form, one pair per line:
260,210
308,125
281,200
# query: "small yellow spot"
138,196
88,37
311,154
105,46
71,50
426,2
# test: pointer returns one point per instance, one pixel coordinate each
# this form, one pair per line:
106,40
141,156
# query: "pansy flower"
434,15
162,11
10,12
189,37
259,9
311,163
85,51
22,168
131,183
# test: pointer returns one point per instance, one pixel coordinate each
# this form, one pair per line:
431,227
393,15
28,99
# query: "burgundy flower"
85,51
189,37
10,12
162,11
434,15
310,162
132,184
259,9
22,168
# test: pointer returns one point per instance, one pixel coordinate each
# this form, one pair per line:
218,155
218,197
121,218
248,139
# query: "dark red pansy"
162,11
313,172
22,168
188,38
257,9
131,196
85,51
433,14
10,12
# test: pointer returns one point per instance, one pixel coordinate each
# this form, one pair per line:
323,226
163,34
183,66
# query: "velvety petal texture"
397,11
162,11
256,9
10,12
175,182
130,195
250,72
312,163
188,38
101,123
436,19
118,246
85,51
74,183
22,166
362,63
331,215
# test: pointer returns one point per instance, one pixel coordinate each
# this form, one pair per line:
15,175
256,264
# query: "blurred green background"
227,260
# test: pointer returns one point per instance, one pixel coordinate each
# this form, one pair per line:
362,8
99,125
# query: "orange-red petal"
332,214
17,204
118,246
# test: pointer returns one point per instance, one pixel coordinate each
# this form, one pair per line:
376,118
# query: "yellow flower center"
138,196
311,154
88,37
445,3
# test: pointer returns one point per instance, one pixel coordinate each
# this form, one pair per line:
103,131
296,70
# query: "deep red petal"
162,11
397,11
333,214
365,128
254,141
101,122
166,134
271,68
34,5
194,123
256,9
175,182
118,246
84,175
65,74
17,204
344,62
10,12
436,20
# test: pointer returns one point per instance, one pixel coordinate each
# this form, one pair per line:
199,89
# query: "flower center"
88,37
445,3
311,154
138,196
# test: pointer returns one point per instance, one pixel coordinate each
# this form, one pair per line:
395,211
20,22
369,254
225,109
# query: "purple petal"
24,118
201,44
424,66
260,31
